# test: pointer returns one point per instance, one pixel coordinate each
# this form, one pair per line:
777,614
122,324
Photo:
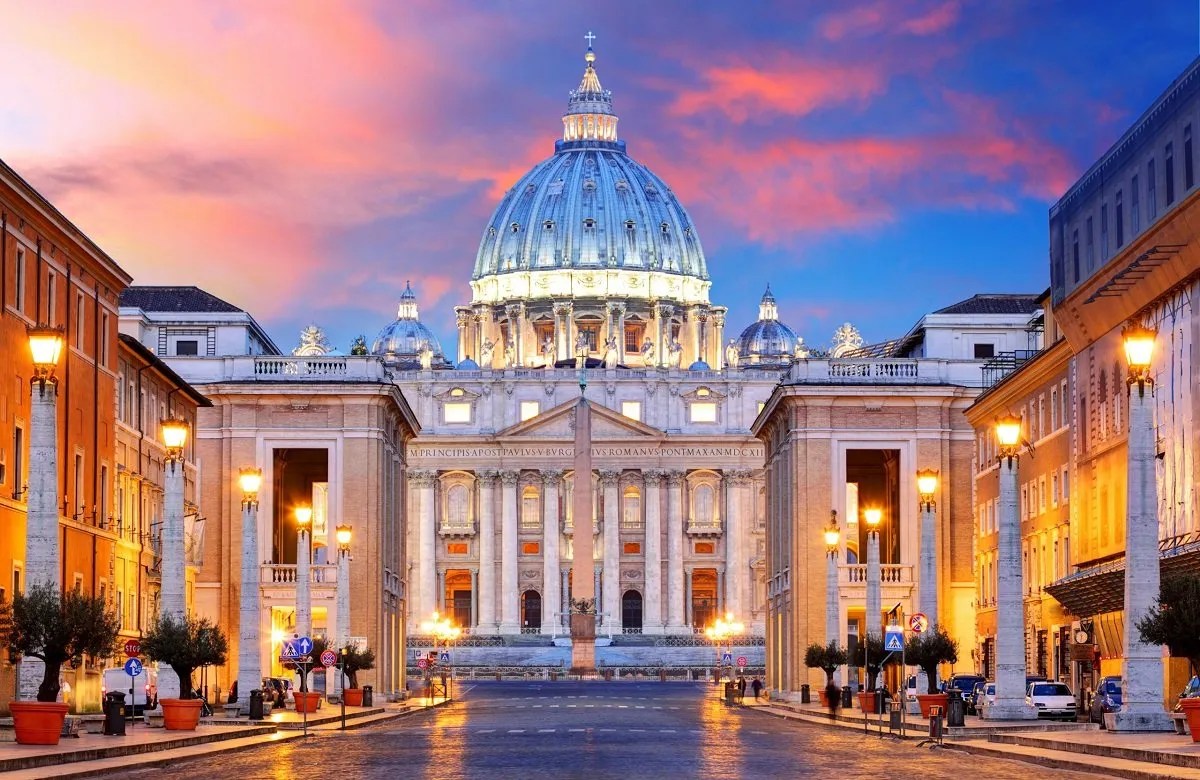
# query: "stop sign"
133,648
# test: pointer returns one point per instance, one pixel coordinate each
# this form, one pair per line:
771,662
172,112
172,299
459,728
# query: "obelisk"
583,566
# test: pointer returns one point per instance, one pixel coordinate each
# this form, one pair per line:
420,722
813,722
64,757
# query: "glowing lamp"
873,517
1139,350
1008,431
250,480
832,536
343,536
45,347
174,434
303,517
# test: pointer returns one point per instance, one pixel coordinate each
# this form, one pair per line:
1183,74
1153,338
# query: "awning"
1101,588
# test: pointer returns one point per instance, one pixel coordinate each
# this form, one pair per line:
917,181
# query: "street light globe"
250,480
873,516
174,434
1139,347
927,482
303,516
343,535
1008,431
832,536
45,347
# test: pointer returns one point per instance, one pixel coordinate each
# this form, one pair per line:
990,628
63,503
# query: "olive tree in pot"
1174,621
826,658
60,630
354,660
184,645
873,657
929,650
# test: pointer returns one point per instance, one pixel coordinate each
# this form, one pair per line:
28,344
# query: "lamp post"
721,633
303,515
1142,667
833,538
249,649
41,511
1010,634
442,630
873,517
173,603
341,633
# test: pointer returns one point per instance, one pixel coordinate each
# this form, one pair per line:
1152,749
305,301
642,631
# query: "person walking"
833,696
741,688
756,686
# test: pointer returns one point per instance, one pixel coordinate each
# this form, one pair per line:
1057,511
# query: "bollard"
730,692
256,705
805,694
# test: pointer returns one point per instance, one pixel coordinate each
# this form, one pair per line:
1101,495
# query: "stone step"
1057,759
1172,750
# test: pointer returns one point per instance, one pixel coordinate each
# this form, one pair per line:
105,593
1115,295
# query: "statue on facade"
582,348
610,352
647,353
358,347
731,354
674,353
845,339
548,351
510,354
486,351
312,343
801,350
426,356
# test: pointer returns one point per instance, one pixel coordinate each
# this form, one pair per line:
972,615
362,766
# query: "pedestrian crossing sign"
727,659
893,640
444,658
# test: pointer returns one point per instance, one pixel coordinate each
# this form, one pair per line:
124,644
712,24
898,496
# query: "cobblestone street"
597,730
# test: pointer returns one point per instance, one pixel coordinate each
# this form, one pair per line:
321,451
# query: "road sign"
133,648
918,622
743,660
444,658
422,663
133,667
303,645
289,652
727,659
328,658
893,640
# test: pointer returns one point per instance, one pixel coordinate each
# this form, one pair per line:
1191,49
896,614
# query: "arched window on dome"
548,225
514,228
589,224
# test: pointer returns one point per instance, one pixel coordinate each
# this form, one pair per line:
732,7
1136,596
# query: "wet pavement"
596,730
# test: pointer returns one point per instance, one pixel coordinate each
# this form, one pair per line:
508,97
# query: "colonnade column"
733,537
616,313
652,618
562,330
509,616
462,318
487,550
611,583
422,484
551,593
665,312
675,615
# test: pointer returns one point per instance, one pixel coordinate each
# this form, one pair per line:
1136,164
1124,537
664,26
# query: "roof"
880,350
181,299
994,303
145,354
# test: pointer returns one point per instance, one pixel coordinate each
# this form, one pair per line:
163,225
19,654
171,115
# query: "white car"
1051,700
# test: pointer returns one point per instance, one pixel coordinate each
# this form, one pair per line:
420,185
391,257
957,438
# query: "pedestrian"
741,688
833,696
233,693
756,686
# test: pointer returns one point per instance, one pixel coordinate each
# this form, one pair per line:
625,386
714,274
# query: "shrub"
185,645
929,650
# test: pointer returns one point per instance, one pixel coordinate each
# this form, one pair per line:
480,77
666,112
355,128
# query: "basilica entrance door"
631,612
531,612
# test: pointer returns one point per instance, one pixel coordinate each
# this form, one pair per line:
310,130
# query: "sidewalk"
1080,747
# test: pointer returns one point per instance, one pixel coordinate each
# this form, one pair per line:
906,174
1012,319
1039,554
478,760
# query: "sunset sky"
873,160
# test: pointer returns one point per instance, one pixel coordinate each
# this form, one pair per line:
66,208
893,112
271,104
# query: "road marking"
516,731
666,731
545,731
576,731
605,729
486,731
758,732
572,706
638,730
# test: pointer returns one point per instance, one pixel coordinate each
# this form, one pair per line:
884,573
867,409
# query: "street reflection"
720,750
446,748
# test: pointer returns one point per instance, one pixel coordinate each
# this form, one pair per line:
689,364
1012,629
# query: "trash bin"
368,696
608,675
256,704
805,694
114,713
956,709
730,692
847,697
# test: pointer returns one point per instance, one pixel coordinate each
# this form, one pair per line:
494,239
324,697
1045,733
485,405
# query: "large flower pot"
353,696
866,701
927,700
180,714
824,698
1191,709
38,722
307,702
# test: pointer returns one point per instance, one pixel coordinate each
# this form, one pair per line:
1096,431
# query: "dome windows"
548,225
630,225
666,229
589,185
589,224
514,228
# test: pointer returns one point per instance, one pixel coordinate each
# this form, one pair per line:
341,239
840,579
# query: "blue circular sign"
133,667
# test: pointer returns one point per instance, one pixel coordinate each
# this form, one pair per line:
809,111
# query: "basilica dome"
588,208
407,341
768,342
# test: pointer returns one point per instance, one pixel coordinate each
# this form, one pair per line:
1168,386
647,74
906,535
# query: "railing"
285,574
282,368
884,371
703,528
891,369
889,573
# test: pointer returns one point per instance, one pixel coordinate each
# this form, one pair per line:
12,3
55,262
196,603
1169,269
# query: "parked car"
985,697
1106,699
1052,700
964,684
976,698
144,686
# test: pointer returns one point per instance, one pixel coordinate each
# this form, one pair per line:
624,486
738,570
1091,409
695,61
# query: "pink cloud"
912,17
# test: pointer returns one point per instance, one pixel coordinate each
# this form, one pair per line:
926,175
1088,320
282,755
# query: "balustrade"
285,574
889,574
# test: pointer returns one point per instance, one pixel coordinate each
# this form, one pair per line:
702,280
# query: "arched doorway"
631,612
531,612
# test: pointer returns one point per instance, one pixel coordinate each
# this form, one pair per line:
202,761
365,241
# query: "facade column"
510,622
564,604
422,483
563,343
701,317
716,349
612,551
675,598
487,550
665,311
617,318
478,336
462,318
439,597
652,617
474,622
688,617
551,593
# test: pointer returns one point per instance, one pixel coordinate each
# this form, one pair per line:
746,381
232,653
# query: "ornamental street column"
173,596
551,595
675,617
731,480
509,618
249,607
874,599
422,483
487,550
612,552
652,622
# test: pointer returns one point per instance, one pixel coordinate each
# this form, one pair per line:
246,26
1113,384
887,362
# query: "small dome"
699,365
767,342
468,365
402,343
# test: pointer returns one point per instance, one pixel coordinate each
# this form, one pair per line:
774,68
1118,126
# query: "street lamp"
174,435
833,538
1010,635
341,632
249,652
303,515
41,495
441,629
1142,667
721,633
927,485
872,517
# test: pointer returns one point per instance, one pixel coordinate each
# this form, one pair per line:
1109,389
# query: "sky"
873,160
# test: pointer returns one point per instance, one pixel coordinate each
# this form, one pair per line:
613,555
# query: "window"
1042,494
985,351
80,319
1151,204
1135,217
456,548
704,548
703,411
633,337
591,334
1024,502
1054,408
187,347
1063,415
1054,490
16,580
530,548
631,509
1103,232
18,478
103,503
1075,252
632,410
1169,173
632,548
1119,216
20,279
529,409
458,412
531,508
1066,491
1041,416
1091,247
51,279
1189,178
104,339
77,496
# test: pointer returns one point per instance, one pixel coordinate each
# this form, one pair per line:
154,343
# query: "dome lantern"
590,118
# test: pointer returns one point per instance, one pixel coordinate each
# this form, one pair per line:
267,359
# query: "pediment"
559,423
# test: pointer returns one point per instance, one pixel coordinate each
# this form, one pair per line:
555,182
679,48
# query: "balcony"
281,368
700,527
283,576
896,581
884,371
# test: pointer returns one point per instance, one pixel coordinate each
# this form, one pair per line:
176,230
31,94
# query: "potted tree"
928,651
874,657
355,660
1174,621
185,645
307,700
826,658
58,629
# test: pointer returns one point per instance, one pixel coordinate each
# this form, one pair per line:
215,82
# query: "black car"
964,684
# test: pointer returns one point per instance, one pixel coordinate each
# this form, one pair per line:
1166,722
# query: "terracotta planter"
353,696
822,697
866,701
37,722
307,702
583,626
180,714
927,700
1191,709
